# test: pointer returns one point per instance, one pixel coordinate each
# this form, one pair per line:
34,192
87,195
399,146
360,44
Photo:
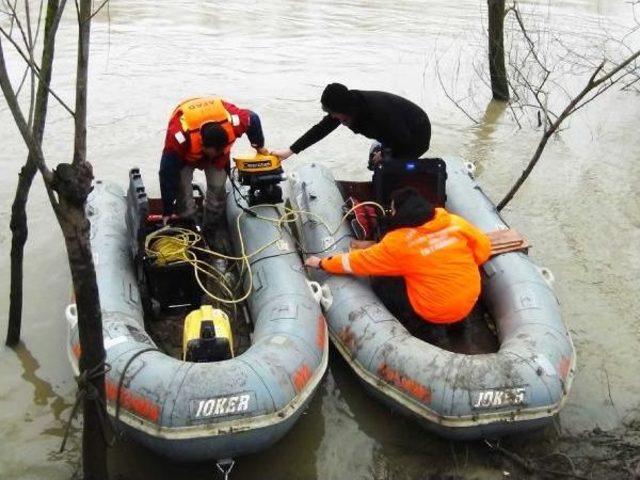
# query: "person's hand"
313,262
262,151
282,154
167,218
358,244
376,159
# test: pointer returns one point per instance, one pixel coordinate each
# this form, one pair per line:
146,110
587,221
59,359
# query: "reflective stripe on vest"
194,113
346,263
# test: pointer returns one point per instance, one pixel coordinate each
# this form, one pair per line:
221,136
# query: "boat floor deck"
166,330
475,335
166,327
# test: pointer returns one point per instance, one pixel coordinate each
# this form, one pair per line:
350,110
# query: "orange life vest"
194,113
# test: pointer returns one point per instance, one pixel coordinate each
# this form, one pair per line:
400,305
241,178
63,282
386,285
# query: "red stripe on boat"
137,404
404,383
301,377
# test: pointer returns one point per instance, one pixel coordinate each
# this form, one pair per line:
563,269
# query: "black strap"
87,390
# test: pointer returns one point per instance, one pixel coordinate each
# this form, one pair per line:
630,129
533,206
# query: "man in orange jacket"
200,135
436,252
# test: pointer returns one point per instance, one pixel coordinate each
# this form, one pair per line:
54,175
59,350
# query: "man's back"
394,121
439,261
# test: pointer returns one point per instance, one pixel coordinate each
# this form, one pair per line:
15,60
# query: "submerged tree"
497,69
533,83
67,186
531,77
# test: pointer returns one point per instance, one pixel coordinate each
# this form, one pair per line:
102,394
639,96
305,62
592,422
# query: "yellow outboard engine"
207,336
262,174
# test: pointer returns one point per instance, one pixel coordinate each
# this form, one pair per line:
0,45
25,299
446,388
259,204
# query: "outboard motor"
262,174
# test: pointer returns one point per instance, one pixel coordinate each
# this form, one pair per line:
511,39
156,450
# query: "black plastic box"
427,175
172,285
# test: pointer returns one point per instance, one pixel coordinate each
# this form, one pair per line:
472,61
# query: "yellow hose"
171,245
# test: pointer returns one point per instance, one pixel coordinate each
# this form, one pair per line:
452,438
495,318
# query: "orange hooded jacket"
439,261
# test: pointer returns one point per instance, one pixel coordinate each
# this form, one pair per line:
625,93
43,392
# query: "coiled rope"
177,245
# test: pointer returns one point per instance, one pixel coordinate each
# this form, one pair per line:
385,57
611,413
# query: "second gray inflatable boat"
521,386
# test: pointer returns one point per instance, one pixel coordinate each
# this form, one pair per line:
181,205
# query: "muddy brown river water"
580,209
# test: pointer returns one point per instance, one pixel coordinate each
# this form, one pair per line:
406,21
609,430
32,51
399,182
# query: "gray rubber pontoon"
459,396
206,411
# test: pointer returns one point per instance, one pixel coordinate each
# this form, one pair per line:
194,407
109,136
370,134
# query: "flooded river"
580,208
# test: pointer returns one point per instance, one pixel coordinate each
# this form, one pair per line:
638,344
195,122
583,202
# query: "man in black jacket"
401,127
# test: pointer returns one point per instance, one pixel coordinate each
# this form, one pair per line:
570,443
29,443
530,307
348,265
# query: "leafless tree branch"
455,102
11,8
34,148
533,467
17,23
36,70
532,48
30,50
607,80
102,5
22,81
8,36
536,91
631,84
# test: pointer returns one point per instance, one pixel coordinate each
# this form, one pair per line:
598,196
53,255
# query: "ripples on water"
580,208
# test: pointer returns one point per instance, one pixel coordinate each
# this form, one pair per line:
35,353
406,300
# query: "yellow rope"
169,250
172,244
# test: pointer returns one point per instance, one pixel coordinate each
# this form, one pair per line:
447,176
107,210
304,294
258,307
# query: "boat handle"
471,168
71,312
321,294
548,276
316,290
327,297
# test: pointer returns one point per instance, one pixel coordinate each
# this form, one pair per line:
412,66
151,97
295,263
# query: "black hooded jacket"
395,122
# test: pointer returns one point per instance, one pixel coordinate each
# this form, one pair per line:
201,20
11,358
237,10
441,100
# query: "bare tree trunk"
73,185
72,182
76,232
84,24
20,232
18,222
69,182
499,84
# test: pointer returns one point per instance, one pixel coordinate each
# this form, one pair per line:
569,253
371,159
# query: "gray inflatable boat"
206,411
521,386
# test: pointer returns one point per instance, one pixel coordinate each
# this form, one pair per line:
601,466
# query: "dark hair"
412,210
213,135
337,98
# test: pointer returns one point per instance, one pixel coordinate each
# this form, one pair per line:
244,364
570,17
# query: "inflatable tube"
205,411
459,396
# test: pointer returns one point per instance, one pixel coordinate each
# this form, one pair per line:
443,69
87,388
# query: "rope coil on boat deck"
171,244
